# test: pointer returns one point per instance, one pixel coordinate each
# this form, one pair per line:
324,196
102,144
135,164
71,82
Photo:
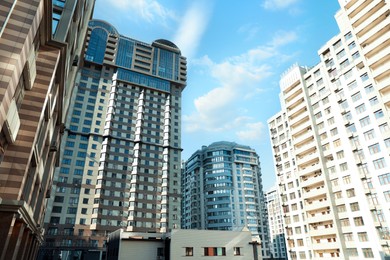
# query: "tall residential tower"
222,190
331,142
120,161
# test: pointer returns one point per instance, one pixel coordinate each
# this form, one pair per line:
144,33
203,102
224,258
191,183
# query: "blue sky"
236,52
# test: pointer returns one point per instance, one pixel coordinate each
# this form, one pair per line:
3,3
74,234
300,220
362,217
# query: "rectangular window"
378,113
364,77
189,251
215,251
360,109
364,121
380,163
384,179
355,206
375,148
356,97
369,135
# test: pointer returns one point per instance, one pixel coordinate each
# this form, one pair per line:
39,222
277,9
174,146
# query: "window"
356,96
348,36
364,77
369,89
378,113
387,195
57,209
358,221
347,179
364,121
343,167
360,109
384,128
237,250
355,206
362,236
367,252
344,222
369,135
214,251
380,163
350,193
189,251
348,237
375,148
333,132
352,252
374,101
384,179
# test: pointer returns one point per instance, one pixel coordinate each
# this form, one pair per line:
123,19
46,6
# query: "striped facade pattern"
28,162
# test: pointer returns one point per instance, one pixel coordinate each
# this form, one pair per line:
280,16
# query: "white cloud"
278,4
148,10
192,27
251,132
224,108
282,38
250,30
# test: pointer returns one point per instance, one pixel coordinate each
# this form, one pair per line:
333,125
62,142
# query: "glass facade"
144,80
97,46
125,53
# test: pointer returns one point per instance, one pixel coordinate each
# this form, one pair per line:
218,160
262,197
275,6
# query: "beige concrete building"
331,142
34,74
183,244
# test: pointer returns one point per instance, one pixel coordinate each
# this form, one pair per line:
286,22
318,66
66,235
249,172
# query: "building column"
7,220
14,239
24,243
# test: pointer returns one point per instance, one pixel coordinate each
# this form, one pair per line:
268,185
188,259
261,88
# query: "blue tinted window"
125,53
165,68
143,80
97,46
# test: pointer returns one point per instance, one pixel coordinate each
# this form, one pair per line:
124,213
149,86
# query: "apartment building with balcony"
120,159
33,77
277,242
331,139
222,190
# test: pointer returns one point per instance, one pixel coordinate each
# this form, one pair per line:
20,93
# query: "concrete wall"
199,239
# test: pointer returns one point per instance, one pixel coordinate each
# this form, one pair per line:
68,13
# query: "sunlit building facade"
36,62
120,159
331,142
275,224
222,190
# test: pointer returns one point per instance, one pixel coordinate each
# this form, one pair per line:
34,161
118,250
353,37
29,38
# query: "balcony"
379,42
311,181
304,137
317,205
315,192
309,169
296,128
293,95
379,56
305,147
307,158
319,218
322,231
373,15
326,246
362,12
301,105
